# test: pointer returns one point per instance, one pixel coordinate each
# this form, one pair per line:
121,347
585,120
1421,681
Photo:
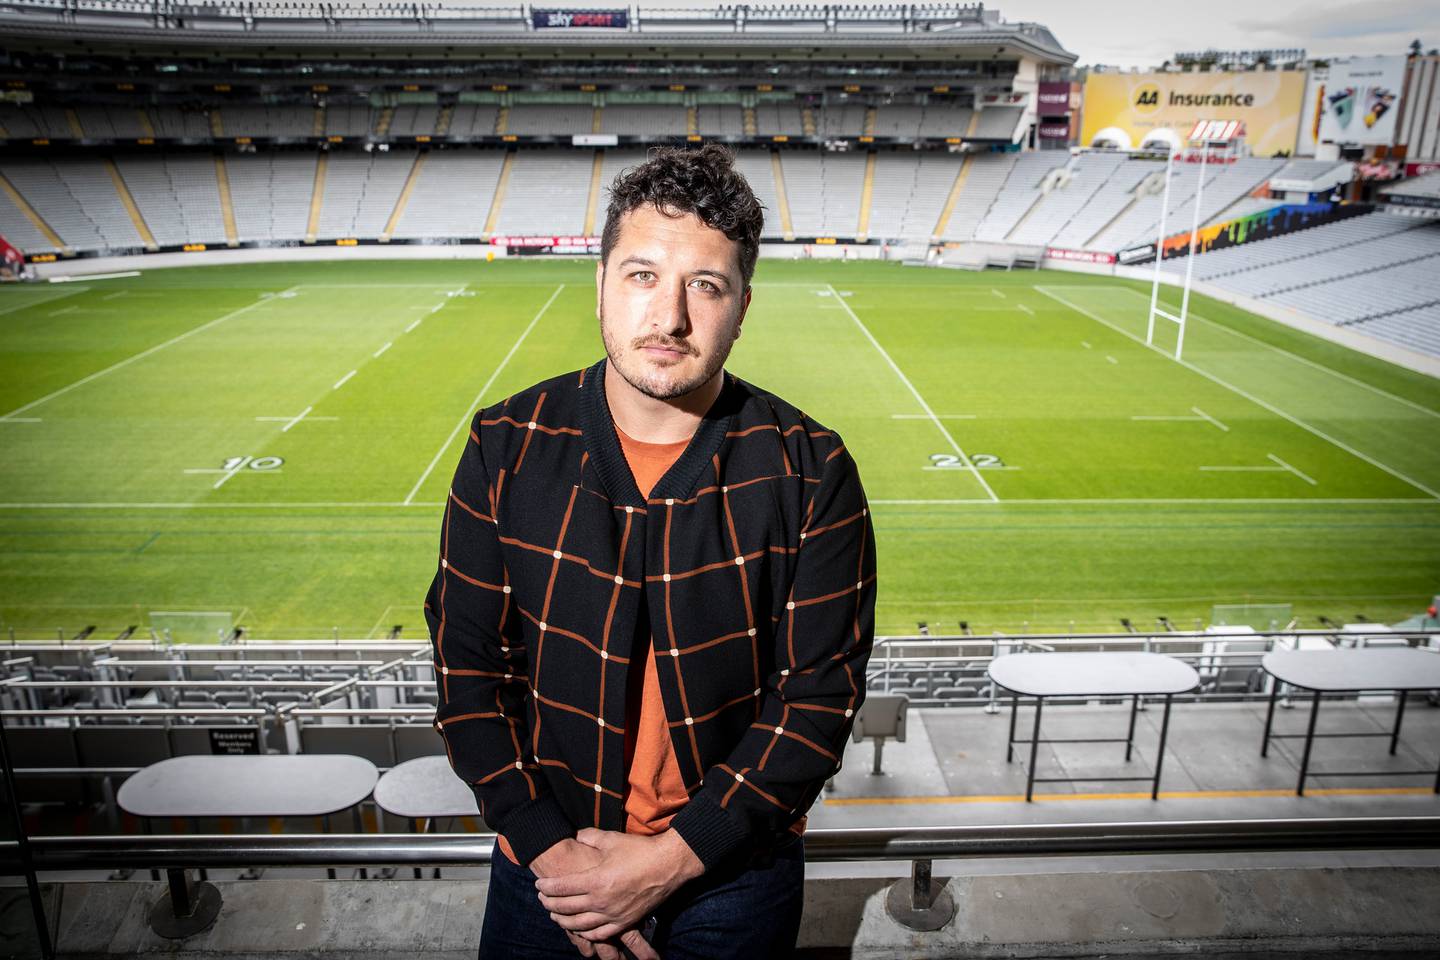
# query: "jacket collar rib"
680,480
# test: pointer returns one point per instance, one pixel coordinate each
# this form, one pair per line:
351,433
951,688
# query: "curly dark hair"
680,180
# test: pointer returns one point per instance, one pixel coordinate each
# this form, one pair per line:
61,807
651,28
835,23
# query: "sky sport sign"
564,19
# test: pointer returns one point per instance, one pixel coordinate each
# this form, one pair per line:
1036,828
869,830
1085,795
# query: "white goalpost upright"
1206,133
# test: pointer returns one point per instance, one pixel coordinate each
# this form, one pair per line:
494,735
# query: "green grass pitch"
276,441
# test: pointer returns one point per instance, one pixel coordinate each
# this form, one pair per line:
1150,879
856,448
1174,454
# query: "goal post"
1207,134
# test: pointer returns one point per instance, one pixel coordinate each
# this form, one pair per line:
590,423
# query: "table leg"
1399,716
1309,742
1160,756
1130,736
1010,746
329,871
1270,717
359,828
1034,748
418,872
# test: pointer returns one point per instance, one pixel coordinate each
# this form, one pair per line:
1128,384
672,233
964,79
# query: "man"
653,608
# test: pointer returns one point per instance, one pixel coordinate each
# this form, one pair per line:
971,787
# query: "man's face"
670,302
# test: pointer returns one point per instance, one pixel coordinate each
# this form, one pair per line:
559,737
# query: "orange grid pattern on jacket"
751,565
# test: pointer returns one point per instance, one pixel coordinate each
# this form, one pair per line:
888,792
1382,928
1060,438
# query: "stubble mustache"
664,344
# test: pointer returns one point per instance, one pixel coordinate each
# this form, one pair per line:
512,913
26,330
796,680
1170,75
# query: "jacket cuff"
534,827
708,829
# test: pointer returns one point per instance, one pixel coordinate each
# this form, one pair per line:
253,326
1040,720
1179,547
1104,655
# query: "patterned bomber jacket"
751,567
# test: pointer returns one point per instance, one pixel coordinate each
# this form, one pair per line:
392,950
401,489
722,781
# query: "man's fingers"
586,948
638,945
606,951
569,885
591,837
571,905
584,924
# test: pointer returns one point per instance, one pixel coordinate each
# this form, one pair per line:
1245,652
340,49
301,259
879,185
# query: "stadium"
1135,364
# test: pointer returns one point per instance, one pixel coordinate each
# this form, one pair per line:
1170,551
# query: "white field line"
63,310
1248,396
1189,419
952,469
1419,408
139,356
1024,309
288,419
997,293
918,398
388,345
81,278
20,420
114,296
40,302
414,324
1207,416
418,504
298,417
341,382
470,410
1226,468
1086,344
241,464
1297,473
380,624
937,416
1111,359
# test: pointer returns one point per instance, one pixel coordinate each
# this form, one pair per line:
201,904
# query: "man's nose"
669,310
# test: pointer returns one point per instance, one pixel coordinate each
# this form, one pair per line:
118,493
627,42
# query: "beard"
665,380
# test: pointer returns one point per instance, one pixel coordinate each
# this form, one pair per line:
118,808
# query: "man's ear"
599,285
744,308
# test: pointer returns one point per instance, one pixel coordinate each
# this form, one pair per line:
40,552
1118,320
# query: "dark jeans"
747,908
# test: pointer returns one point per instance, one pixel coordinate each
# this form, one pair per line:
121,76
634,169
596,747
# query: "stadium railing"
921,900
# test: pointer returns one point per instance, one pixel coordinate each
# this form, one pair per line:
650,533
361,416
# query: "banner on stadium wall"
1126,108
1053,99
562,19
1286,218
542,245
1079,256
1361,99
1053,131
12,261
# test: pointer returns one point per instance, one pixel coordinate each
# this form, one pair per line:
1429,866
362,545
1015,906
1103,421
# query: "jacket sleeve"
480,668
807,707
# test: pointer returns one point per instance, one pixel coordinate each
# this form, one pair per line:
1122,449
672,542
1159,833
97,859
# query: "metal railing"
917,902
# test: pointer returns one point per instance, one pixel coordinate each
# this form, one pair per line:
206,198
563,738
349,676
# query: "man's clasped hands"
601,885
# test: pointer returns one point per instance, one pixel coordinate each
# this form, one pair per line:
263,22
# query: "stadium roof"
789,31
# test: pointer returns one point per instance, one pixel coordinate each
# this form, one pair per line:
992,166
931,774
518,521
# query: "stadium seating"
360,192
755,166
550,119
651,120
1018,195
719,120
909,192
271,195
178,197
546,194
77,199
452,195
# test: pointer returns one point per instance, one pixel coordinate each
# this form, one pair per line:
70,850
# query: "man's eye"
642,275
710,287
